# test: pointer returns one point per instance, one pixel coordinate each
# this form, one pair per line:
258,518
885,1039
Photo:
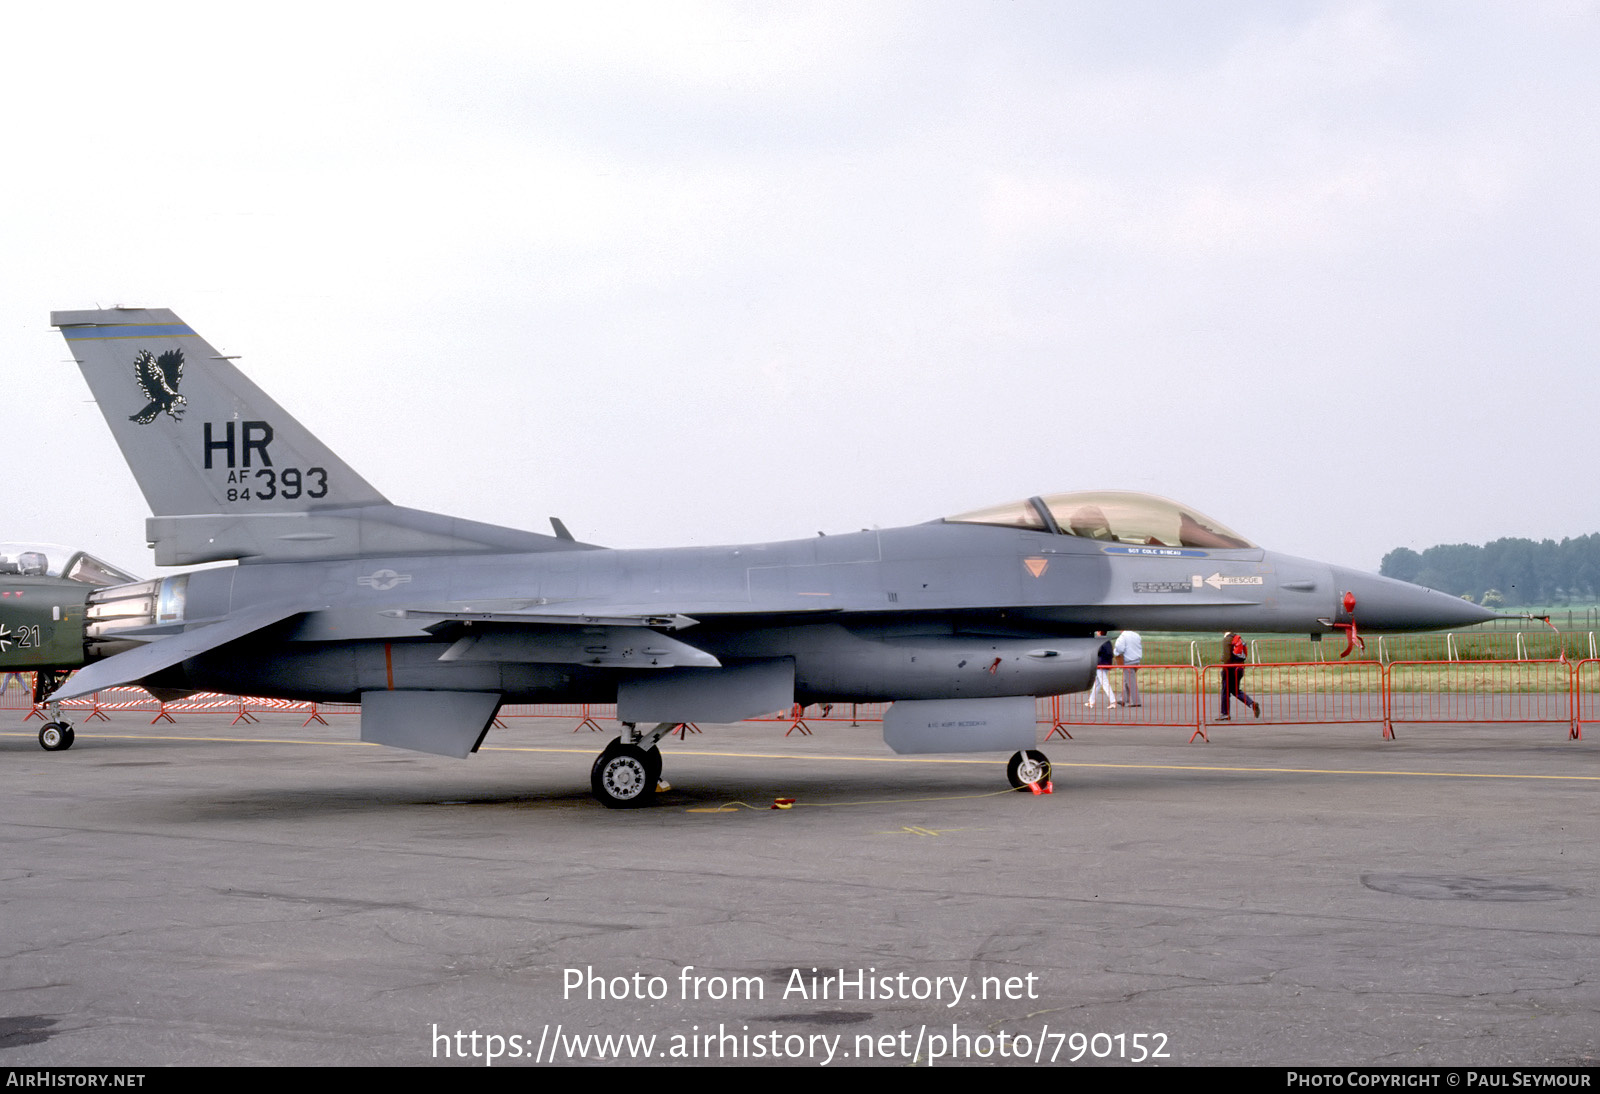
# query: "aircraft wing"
134,665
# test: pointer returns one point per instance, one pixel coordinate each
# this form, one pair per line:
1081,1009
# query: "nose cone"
1384,604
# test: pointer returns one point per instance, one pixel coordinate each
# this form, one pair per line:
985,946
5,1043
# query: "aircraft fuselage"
935,610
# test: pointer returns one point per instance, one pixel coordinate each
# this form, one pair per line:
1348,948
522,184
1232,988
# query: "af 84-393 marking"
288,483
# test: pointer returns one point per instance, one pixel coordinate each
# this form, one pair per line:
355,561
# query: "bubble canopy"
1113,516
54,560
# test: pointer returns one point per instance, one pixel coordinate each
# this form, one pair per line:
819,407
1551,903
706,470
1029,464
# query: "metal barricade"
1294,693
1483,691
16,691
587,714
798,721
1585,695
1167,697
1527,691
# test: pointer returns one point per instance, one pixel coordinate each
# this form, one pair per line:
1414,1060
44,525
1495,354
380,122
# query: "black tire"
56,737
624,776
1028,767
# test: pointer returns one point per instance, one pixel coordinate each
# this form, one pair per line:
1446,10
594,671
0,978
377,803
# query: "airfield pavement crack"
353,905
1216,914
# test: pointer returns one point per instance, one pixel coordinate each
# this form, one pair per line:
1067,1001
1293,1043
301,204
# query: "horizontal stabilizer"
134,665
444,723
600,647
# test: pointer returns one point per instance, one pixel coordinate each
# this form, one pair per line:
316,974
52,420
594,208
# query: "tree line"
1507,571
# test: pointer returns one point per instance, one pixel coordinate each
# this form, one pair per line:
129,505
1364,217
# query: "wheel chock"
783,803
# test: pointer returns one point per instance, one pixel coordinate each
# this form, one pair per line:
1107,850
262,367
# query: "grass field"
1476,660
1508,678
1534,643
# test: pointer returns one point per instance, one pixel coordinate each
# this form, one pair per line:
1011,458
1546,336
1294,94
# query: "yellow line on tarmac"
94,734
1057,765
1335,771
731,806
798,757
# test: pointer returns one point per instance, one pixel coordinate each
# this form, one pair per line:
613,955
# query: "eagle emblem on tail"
158,378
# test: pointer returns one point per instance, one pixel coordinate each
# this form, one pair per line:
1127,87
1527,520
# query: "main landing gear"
628,770
1028,767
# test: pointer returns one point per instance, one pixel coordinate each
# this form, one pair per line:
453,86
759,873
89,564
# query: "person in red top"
1234,653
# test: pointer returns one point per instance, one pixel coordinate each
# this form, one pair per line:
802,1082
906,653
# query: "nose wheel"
1028,767
56,737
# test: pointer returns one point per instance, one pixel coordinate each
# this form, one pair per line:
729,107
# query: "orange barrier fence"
1293,694
587,714
1165,697
1585,694
16,691
1282,693
799,721
1484,691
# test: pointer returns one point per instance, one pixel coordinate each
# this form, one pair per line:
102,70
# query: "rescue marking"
1217,581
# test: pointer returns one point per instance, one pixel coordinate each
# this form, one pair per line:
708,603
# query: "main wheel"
624,775
56,737
1028,767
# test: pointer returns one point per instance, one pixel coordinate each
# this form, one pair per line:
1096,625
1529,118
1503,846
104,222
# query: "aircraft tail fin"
199,435
228,473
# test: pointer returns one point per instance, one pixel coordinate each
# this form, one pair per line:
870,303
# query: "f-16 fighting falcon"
432,623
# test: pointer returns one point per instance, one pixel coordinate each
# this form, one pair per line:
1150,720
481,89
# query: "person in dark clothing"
1234,653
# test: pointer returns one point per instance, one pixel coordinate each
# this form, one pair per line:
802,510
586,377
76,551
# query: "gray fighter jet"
431,623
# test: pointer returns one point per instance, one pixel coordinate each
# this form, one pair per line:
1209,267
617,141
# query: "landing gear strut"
1028,767
626,773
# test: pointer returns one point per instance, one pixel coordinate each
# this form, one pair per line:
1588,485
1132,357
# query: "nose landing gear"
1027,769
56,737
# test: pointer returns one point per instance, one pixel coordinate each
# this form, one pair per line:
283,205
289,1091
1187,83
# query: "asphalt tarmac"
271,894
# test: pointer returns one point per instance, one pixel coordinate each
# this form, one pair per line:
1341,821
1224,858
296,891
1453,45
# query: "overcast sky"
707,273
